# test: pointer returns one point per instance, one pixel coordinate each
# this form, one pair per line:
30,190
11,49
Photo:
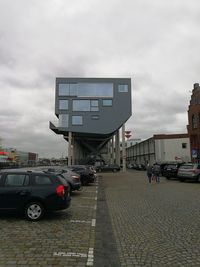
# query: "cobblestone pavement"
138,224
64,238
153,224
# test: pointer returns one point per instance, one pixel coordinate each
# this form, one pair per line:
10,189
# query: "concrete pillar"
117,148
73,151
123,149
112,150
69,148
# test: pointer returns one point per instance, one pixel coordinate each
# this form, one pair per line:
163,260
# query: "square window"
123,88
107,102
77,120
63,104
184,145
63,89
94,103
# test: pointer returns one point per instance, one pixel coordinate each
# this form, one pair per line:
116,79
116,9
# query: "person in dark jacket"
149,172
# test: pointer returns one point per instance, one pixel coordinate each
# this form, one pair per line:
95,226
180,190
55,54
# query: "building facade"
160,148
90,112
194,123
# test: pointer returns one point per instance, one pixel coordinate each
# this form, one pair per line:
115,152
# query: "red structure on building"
193,126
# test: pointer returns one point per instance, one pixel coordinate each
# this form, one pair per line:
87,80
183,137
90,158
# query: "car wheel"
34,211
181,179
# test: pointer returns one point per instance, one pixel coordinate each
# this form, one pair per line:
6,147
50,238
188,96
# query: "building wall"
110,118
160,148
173,149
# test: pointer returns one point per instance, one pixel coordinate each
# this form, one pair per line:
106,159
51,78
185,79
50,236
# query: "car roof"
22,171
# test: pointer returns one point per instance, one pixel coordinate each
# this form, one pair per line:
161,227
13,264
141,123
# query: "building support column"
117,148
69,148
123,149
112,150
73,151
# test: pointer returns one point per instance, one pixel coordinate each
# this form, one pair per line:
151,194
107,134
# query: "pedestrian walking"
156,172
149,172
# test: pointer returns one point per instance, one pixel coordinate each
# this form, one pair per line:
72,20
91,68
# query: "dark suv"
171,170
33,192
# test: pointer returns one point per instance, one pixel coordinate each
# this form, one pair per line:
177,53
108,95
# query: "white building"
160,148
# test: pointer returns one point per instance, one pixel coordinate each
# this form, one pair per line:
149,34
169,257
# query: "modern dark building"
90,112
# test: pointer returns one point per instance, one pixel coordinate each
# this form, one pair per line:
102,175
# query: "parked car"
171,170
105,168
32,192
189,171
87,174
71,177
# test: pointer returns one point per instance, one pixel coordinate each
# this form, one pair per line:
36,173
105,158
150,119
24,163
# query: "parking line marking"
93,222
70,254
90,259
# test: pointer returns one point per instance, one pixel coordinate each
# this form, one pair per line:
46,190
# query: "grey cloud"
155,43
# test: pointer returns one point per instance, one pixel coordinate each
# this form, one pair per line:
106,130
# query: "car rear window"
16,180
42,180
187,166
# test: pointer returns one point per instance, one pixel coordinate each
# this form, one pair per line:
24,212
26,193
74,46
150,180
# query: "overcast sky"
155,43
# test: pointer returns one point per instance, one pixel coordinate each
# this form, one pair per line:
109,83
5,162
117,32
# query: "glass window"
95,89
94,105
77,120
63,89
42,180
63,120
81,105
194,121
15,179
184,145
73,89
123,88
94,108
63,104
85,105
107,102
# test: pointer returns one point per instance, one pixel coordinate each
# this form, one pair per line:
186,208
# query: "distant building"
194,123
13,155
132,141
160,148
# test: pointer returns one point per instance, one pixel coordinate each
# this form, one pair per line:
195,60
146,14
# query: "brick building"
194,122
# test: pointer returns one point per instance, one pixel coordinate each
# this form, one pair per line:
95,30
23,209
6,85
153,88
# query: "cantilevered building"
90,112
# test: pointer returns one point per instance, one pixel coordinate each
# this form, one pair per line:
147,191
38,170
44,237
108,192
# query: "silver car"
189,171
